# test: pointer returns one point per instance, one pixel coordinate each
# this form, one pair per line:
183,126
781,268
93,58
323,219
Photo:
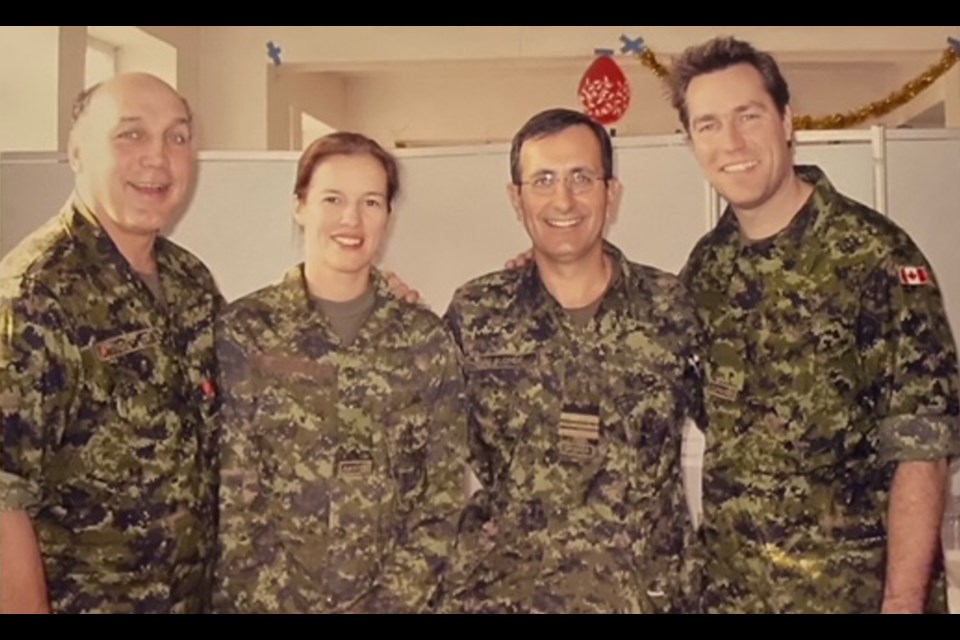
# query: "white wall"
186,41
322,96
70,78
476,105
232,93
233,66
29,71
42,69
225,73
471,106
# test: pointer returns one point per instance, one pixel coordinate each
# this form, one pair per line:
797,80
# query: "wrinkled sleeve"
244,535
695,355
909,353
693,438
424,541
691,462
37,365
697,350
483,460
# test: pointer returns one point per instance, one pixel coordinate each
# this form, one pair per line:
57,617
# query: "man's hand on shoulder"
401,289
519,261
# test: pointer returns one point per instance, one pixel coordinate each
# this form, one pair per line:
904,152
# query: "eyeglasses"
579,181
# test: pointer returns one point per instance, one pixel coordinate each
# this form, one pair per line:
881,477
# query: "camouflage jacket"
828,365
342,467
106,399
575,435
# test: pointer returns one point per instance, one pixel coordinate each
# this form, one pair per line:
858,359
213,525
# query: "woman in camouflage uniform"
343,429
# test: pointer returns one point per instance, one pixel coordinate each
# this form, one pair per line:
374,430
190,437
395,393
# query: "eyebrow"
136,119
581,169
712,117
364,194
753,104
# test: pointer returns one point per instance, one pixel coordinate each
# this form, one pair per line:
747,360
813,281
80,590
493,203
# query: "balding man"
107,373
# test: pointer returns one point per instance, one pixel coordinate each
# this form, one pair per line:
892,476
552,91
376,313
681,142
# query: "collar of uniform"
294,286
88,231
807,220
618,295
535,294
90,234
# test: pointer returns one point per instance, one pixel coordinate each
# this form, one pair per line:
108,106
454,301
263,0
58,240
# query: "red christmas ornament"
604,91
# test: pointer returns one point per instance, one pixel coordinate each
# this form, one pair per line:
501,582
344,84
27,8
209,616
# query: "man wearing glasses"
581,369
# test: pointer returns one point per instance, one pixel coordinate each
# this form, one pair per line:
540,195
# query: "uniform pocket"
124,431
502,390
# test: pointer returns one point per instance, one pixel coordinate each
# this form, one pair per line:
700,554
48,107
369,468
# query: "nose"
732,137
563,197
350,215
155,152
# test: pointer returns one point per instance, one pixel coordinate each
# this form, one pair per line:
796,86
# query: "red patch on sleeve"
209,388
915,276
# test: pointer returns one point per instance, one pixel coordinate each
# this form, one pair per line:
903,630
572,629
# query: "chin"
351,269
142,229
149,219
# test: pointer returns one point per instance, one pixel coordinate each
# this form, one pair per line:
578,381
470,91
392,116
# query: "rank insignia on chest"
915,276
354,469
722,391
503,362
579,431
126,343
281,364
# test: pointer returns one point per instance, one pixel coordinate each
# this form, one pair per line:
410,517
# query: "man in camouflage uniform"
106,376
580,370
833,374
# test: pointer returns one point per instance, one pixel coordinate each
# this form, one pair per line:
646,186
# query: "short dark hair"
553,121
344,143
82,103
719,54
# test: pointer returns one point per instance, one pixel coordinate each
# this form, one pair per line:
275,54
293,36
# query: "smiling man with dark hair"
832,399
581,370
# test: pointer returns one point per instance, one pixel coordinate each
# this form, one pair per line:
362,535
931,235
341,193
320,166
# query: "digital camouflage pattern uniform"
575,435
107,397
342,467
828,365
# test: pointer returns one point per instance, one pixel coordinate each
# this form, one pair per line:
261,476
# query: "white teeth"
347,242
563,224
740,167
143,186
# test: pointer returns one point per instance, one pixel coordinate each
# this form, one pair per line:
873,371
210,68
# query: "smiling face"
739,137
344,215
132,156
567,223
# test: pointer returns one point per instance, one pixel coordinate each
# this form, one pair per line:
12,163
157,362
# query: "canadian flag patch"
914,276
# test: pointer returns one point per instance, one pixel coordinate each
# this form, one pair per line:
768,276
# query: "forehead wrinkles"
728,87
149,106
555,155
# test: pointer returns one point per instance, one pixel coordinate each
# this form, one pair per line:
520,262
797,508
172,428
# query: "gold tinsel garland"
895,100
